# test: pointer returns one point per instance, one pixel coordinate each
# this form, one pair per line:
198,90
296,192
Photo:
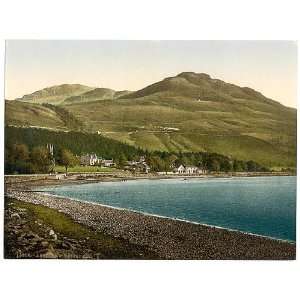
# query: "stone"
87,256
44,244
49,254
65,245
15,215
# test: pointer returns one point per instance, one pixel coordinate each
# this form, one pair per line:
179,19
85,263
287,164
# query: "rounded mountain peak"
193,75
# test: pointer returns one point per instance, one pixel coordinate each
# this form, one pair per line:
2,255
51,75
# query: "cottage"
108,162
191,170
180,170
89,160
131,163
142,159
137,167
188,170
146,168
201,171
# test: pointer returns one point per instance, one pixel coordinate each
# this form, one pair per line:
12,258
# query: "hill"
55,94
24,114
200,87
96,94
192,112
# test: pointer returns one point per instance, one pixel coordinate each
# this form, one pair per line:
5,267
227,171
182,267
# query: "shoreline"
46,180
72,182
165,217
169,238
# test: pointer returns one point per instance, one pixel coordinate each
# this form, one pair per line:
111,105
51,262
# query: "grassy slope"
27,114
209,114
96,94
55,94
255,131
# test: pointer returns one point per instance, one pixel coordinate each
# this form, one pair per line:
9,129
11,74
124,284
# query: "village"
139,166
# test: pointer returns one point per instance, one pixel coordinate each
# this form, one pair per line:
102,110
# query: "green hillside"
24,114
27,114
190,112
96,94
55,94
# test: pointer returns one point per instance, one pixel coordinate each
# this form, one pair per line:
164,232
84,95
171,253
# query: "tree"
237,166
67,159
169,162
251,166
121,161
21,152
156,163
215,165
226,165
40,157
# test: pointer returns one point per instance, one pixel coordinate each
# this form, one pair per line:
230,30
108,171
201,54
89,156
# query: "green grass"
106,245
84,169
250,130
27,114
58,221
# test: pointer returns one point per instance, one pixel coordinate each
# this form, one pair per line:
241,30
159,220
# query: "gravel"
168,238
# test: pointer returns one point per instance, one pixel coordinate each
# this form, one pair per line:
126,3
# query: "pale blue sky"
267,66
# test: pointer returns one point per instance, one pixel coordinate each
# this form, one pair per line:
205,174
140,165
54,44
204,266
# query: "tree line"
211,162
18,159
26,152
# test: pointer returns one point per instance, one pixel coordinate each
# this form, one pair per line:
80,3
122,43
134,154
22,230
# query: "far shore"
89,177
168,238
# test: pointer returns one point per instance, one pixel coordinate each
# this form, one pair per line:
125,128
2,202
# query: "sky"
267,66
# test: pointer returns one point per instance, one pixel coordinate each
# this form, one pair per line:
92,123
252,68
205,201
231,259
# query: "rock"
15,215
49,254
30,235
44,244
87,256
65,245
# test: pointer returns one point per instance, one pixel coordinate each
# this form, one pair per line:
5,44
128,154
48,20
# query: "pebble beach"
167,238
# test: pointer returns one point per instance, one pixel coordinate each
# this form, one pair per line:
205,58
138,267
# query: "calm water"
261,205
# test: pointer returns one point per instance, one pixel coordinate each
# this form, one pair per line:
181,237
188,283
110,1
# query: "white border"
138,19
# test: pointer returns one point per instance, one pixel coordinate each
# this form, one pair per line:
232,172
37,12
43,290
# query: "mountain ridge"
55,94
187,112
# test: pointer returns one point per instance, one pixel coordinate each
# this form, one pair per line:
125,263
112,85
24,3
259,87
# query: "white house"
138,166
201,171
188,170
146,168
89,160
191,170
180,169
108,162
